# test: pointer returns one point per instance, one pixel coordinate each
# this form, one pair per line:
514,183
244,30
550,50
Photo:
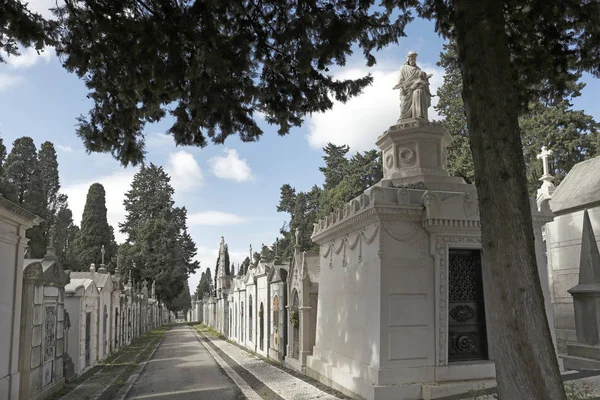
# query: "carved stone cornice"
370,215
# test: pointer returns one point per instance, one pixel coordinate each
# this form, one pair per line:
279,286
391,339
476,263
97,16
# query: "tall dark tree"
64,236
48,167
548,120
23,176
183,301
336,164
6,189
95,231
158,245
244,266
205,284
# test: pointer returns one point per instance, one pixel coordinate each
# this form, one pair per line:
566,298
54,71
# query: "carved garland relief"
441,248
346,241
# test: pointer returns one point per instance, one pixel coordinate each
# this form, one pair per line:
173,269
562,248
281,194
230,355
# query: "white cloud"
184,170
231,166
66,149
214,218
43,7
29,57
361,120
115,185
8,81
160,141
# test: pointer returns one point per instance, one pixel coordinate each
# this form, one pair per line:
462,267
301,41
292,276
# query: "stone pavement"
103,381
260,379
182,369
584,385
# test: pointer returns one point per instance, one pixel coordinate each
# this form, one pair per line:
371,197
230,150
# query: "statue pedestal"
414,150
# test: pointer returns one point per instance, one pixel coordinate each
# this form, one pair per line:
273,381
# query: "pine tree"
158,245
23,175
95,231
336,164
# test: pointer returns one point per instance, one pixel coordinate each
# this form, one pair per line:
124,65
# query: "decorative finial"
297,236
102,251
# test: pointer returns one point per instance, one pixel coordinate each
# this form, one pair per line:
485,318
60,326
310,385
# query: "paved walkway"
261,379
183,369
192,365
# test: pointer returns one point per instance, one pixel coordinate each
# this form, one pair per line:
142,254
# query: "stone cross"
102,251
544,156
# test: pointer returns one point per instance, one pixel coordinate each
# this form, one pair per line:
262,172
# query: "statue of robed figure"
415,97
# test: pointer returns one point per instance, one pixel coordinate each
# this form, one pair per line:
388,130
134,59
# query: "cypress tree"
50,184
23,176
94,231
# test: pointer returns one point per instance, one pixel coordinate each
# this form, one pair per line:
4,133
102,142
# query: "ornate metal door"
467,339
88,327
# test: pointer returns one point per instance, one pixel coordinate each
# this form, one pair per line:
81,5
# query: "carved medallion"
462,313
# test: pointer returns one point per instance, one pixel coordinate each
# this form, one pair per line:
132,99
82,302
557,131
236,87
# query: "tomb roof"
77,283
580,188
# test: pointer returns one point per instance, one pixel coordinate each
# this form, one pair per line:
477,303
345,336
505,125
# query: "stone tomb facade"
104,283
277,318
302,301
81,302
42,344
580,190
402,308
14,221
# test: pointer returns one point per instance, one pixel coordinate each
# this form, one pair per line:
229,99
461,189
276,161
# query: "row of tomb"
58,324
392,306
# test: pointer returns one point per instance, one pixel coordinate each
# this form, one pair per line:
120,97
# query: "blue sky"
229,190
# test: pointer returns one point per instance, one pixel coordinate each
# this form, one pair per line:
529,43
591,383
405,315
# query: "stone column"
305,322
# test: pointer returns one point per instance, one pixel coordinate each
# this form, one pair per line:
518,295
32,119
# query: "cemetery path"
182,369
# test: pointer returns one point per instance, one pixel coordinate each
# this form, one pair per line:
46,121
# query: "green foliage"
183,301
549,120
95,231
344,180
212,66
205,285
6,189
24,178
158,246
64,236
336,164
48,169
295,319
578,391
243,268
19,26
